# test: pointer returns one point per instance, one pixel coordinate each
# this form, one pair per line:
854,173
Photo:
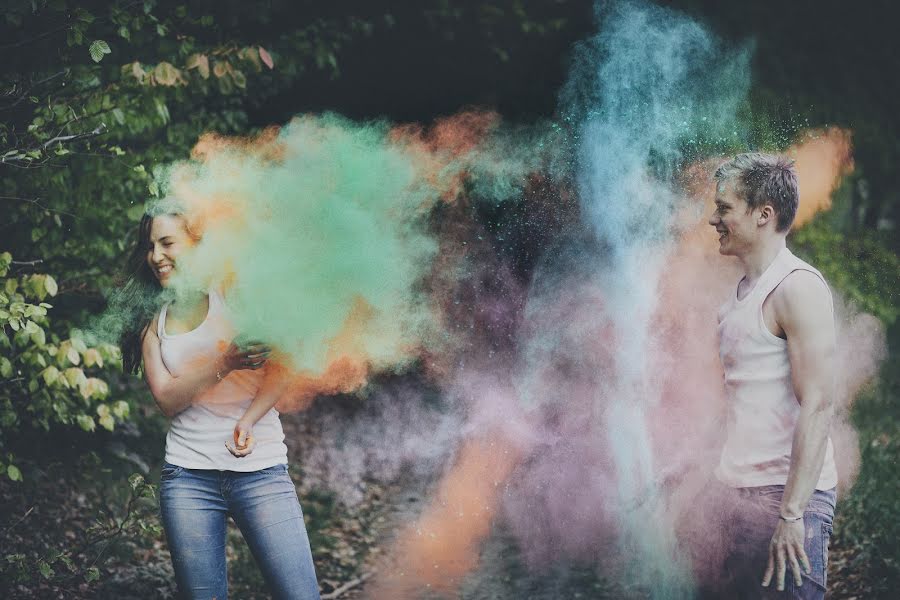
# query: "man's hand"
786,549
244,441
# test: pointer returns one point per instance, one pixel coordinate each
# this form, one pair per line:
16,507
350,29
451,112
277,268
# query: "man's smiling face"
735,223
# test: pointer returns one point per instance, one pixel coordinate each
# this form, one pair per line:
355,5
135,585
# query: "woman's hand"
244,442
251,356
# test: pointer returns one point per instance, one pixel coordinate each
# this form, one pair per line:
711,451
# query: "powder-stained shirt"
762,409
197,435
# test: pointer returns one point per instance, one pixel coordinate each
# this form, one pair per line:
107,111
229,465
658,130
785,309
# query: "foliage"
867,531
59,564
93,96
50,377
860,265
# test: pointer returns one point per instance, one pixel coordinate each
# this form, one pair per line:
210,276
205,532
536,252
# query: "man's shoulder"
803,293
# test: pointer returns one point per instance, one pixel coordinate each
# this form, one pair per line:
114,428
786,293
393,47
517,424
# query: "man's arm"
802,309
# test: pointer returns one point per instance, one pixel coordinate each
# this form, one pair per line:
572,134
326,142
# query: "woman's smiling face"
168,239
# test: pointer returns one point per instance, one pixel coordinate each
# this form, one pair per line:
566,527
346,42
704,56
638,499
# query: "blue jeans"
747,518
195,504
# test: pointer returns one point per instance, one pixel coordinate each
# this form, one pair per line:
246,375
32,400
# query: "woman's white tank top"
761,405
197,435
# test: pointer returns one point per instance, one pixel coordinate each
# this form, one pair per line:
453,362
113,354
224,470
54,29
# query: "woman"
213,391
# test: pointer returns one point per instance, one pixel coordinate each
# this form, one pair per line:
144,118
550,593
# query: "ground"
57,506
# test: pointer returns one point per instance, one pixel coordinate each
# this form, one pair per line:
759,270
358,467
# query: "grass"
866,545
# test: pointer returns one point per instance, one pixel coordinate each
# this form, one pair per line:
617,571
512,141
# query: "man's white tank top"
762,409
197,435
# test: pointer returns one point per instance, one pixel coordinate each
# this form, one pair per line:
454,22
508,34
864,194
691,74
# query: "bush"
50,376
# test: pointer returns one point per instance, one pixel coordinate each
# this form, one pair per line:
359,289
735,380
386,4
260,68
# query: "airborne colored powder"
647,85
614,350
574,344
317,235
312,234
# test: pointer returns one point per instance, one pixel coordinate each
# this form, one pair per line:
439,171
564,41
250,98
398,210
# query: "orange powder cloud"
347,369
440,150
823,158
443,545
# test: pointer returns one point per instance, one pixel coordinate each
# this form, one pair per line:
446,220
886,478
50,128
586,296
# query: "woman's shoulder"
151,326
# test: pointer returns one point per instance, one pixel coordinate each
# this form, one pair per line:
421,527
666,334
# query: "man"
776,343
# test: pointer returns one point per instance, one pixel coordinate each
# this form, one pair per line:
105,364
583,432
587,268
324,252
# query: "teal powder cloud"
330,218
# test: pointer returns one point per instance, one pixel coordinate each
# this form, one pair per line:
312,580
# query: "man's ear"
766,214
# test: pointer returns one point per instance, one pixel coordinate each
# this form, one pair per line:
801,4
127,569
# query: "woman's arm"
273,386
174,394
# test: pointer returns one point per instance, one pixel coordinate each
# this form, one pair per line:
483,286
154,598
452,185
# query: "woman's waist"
238,387
202,418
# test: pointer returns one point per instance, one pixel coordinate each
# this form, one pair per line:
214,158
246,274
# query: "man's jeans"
739,524
195,503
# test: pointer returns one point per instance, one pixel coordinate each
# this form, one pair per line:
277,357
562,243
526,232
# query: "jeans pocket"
274,470
169,472
826,543
818,534
770,490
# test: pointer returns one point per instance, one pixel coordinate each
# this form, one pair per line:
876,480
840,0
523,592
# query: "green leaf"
50,285
45,569
5,260
240,79
107,422
199,62
39,337
97,49
6,368
166,74
86,422
135,212
50,375
92,357
162,110
136,480
73,356
74,376
13,472
92,574
121,409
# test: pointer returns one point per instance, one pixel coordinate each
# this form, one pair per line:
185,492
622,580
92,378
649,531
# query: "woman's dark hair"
138,300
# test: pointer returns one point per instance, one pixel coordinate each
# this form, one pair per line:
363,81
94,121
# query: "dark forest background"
93,94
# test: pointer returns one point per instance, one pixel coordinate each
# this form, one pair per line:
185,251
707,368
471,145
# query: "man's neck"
758,260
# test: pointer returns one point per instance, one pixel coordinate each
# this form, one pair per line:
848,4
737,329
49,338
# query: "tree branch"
39,36
97,131
340,591
23,94
30,263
